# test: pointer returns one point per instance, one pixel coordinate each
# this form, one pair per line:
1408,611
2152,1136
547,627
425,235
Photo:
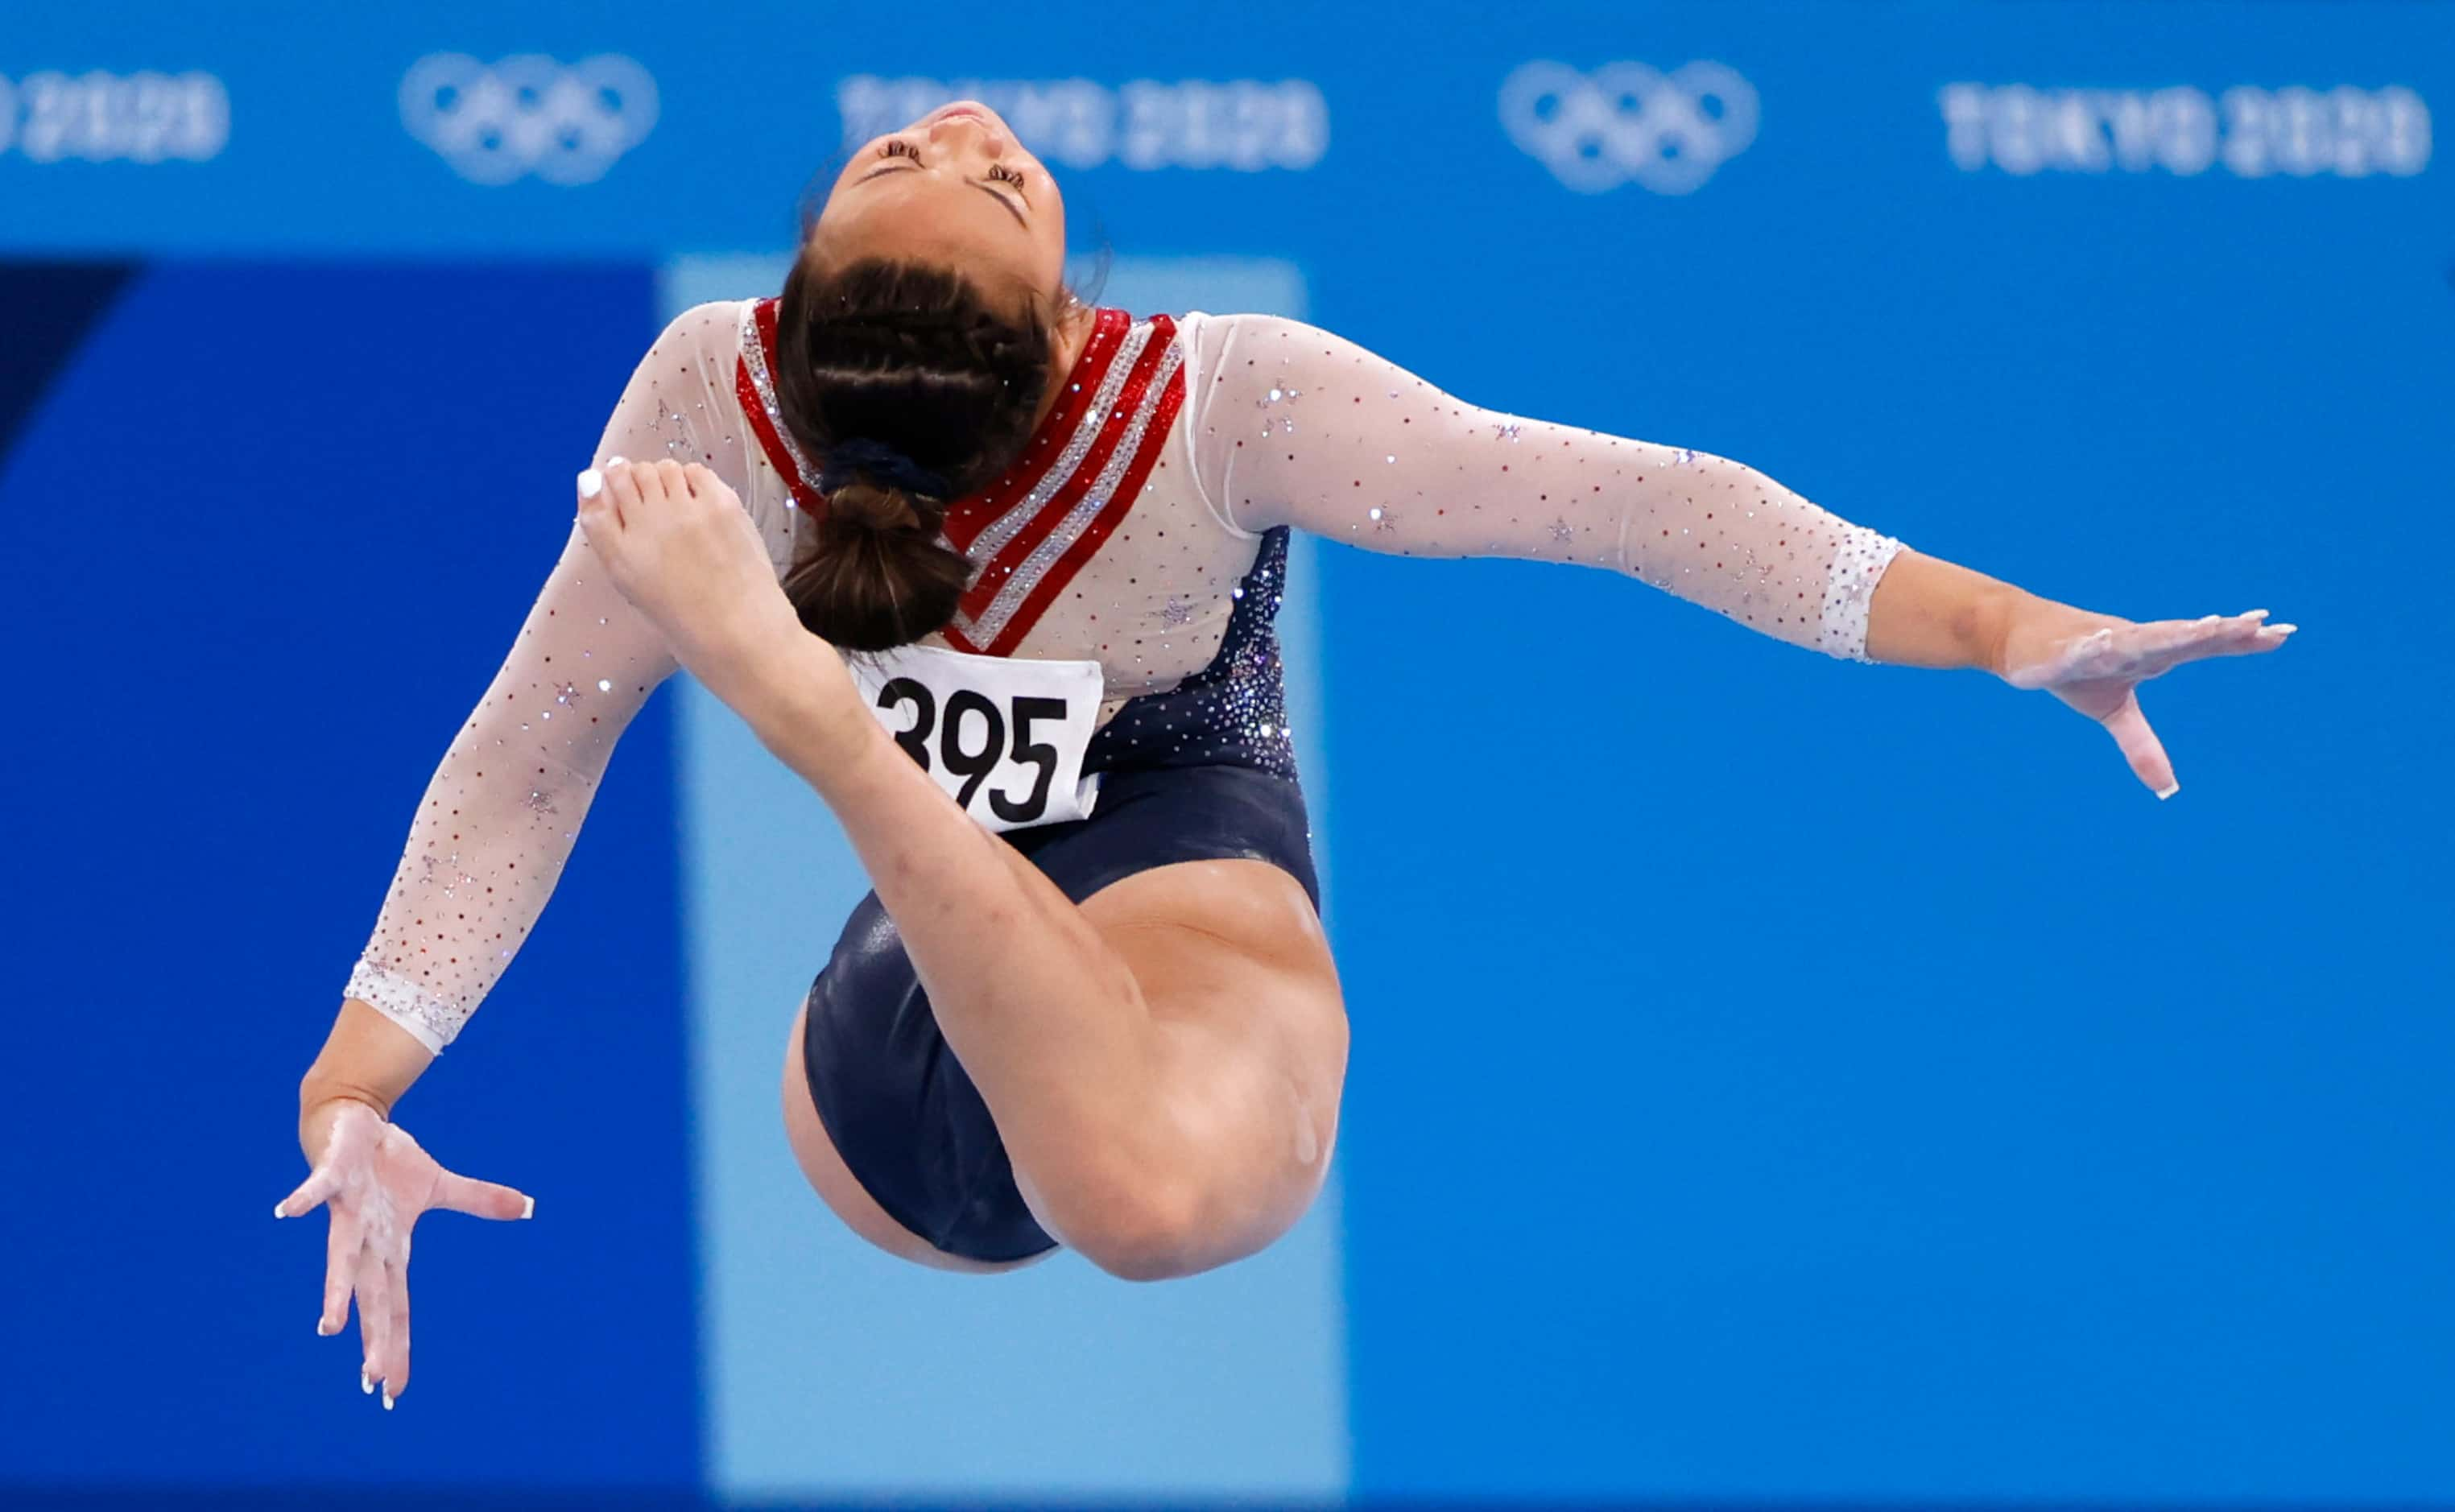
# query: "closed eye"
1008,204
998,172
892,148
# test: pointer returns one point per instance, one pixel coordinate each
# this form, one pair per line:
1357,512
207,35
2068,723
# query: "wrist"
1997,620
317,1090
367,1060
319,1105
2034,632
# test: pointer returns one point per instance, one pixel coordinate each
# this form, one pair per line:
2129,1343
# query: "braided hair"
911,391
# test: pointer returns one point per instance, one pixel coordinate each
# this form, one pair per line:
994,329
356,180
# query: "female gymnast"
994,572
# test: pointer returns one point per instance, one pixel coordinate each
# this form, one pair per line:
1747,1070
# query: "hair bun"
912,390
864,505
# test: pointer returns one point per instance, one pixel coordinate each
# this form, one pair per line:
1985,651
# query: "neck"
1072,332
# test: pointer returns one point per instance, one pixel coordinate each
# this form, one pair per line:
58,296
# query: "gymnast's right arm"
488,841
497,822
491,833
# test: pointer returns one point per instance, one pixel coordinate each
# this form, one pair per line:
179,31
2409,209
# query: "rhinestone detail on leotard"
1026,579
994,536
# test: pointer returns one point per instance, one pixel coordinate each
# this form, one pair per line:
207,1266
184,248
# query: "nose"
959,129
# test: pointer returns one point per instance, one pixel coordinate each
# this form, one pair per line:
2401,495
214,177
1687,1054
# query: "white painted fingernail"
366,1383
529,1211
618,461
278,1206
2170,792
323,1329
387,1401
2285,630
591,483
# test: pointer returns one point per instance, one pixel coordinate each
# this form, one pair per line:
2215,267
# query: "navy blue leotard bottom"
1203,772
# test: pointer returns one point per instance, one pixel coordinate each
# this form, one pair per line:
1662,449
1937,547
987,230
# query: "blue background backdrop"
1773,1079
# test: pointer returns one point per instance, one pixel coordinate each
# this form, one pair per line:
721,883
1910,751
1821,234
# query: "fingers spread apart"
395,1372
2141,747
374,1287
480,1198
321,1184
342,1247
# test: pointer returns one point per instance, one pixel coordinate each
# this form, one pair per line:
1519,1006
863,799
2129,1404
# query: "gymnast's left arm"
1294,426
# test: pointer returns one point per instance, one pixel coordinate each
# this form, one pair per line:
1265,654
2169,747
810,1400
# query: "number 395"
974,764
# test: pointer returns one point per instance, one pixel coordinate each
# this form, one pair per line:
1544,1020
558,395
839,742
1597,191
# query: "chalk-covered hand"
376,1183
2096,663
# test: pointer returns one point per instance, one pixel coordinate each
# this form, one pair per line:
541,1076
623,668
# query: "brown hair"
910,389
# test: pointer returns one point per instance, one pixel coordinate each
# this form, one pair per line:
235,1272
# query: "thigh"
1249,1053
1200,882
1249,1033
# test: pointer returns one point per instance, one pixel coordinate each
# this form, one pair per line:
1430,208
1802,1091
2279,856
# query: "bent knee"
1157,1212
1153,1229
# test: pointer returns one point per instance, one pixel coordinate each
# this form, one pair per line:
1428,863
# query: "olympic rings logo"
1668,132
528,114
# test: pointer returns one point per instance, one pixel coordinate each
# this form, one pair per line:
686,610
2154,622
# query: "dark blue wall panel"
268,535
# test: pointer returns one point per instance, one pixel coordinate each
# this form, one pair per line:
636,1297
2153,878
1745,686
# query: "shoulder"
1247,327
705,333
1198,329
1241,357
1256,340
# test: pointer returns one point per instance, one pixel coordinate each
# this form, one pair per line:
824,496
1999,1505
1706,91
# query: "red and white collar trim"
754,384
1033,529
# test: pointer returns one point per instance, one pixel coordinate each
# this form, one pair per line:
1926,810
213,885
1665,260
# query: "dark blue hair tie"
880,463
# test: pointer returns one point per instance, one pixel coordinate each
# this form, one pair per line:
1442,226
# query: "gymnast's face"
955,189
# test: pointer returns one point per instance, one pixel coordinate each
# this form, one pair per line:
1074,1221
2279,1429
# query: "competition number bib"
1003,737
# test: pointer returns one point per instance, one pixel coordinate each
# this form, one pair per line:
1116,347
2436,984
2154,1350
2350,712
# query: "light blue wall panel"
833,1369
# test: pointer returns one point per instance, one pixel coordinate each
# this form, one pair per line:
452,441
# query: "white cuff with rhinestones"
431,1020
1858,564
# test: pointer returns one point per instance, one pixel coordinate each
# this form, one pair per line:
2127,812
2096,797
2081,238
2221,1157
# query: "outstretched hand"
2096,663
376,1181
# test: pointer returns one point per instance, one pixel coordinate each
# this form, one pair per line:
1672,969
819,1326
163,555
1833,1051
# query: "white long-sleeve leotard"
1120,535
